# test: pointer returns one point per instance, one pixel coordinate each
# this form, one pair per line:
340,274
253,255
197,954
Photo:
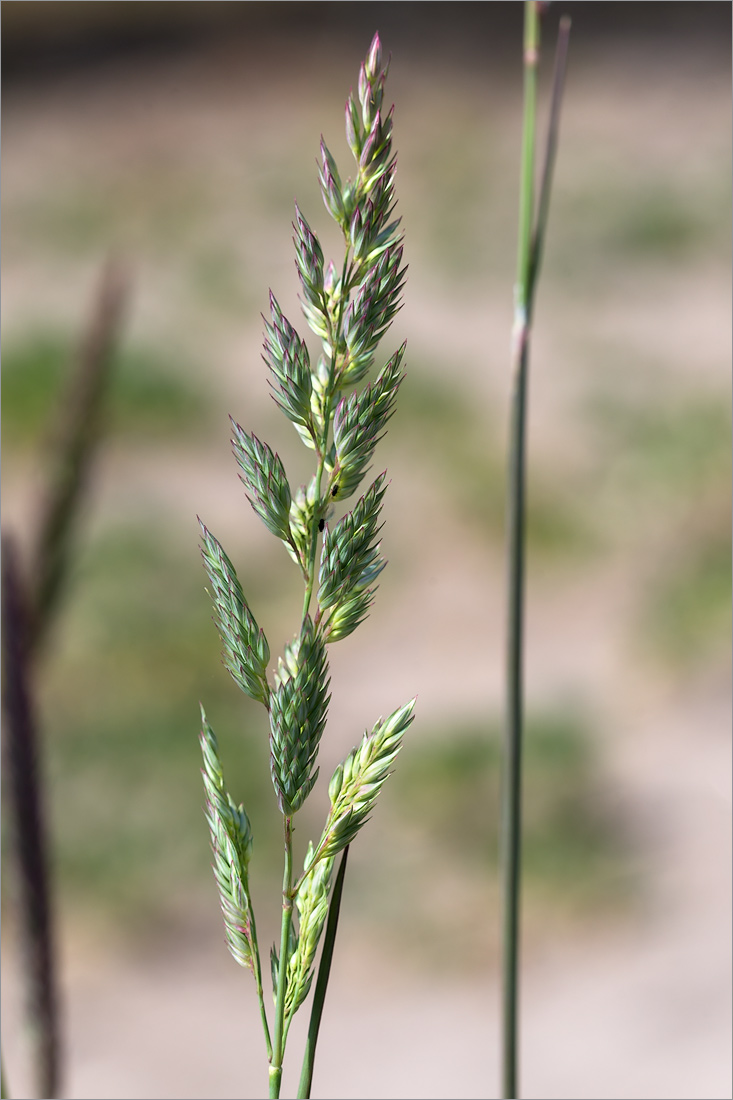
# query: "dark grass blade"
324,972
26,805
548,165
71,452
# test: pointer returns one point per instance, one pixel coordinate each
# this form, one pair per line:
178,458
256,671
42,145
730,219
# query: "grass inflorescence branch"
349,307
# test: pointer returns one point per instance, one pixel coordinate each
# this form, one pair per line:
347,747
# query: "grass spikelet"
231,844
298,711
246,652
356,783
312,903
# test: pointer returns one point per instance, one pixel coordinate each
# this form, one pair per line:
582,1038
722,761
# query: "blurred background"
176,137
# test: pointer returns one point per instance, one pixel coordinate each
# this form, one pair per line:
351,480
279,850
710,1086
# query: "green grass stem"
531,237
278,1045
548,164
324,972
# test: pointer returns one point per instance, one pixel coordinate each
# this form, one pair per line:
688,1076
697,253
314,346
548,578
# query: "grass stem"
548,164
260,992
531,240
73,447
30,835
287,917
324,972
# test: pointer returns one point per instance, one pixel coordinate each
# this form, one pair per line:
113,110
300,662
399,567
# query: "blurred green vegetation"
603,212
451,781
216,279
162,211
667,462
687,612
461,443
673,443
616,217
460,165
151,395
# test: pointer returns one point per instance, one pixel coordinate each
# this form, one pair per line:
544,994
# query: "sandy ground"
637,1008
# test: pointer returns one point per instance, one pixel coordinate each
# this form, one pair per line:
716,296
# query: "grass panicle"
348,307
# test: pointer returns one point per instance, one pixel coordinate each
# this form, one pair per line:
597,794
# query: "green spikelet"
298,710
356,783
231,844
359,424
246,652
350,564
312,904
264,479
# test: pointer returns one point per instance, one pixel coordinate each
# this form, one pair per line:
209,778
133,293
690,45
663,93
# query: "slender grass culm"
349,308
33,587
532,226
